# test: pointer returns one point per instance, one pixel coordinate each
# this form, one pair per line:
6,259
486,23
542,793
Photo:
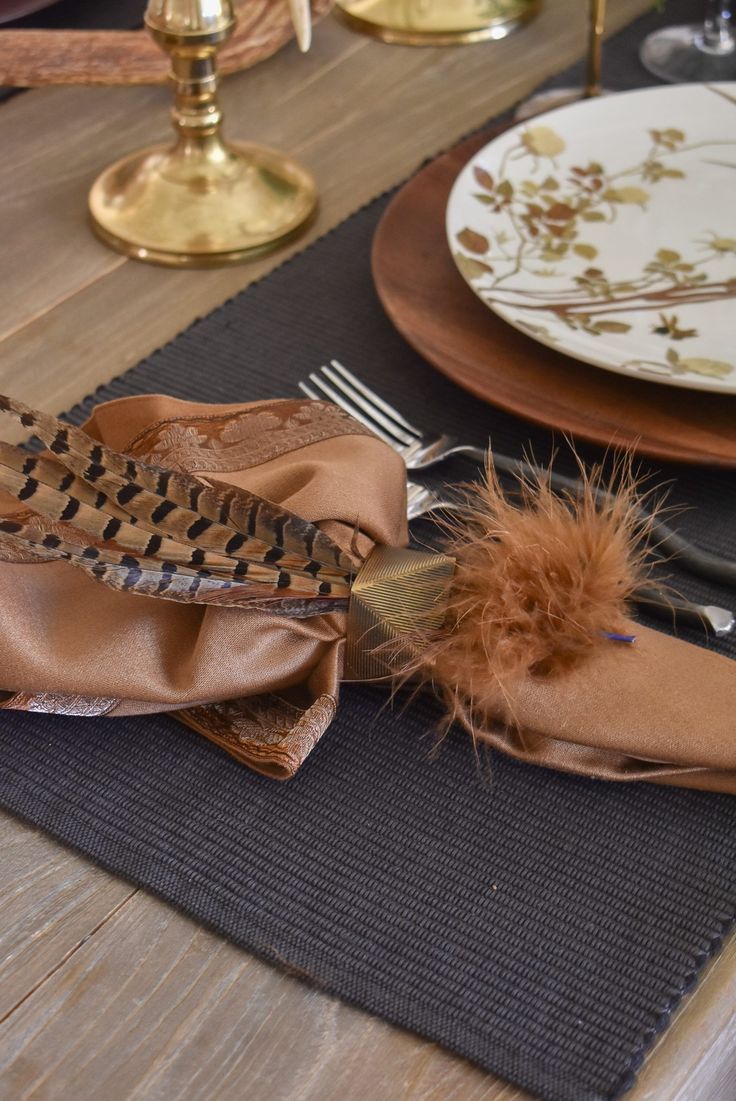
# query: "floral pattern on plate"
607,229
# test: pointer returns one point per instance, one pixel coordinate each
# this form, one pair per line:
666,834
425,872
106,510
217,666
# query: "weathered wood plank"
52,901
695,1059
151,1006
360,114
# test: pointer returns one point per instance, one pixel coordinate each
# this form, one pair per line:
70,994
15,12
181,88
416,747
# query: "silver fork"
421,450
421,501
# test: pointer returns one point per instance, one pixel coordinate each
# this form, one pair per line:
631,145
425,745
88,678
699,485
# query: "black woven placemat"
543,925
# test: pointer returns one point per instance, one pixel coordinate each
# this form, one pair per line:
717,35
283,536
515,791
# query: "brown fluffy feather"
538,583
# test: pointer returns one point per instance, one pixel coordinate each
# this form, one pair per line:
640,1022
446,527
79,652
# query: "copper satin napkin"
264,686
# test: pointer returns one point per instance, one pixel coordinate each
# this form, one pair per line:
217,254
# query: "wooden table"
105,992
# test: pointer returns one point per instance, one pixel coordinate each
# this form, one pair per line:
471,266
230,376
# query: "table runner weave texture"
542,925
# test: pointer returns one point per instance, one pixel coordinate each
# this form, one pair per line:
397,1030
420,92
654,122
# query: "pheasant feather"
126,573
144,529
61,497
57,505
224,506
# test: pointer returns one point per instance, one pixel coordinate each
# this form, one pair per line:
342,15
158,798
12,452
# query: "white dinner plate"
607,230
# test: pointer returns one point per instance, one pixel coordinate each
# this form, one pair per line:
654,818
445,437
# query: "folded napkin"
233,564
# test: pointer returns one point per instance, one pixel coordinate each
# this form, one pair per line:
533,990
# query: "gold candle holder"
202,202
436,22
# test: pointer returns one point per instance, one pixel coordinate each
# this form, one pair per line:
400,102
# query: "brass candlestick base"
436,22
201,202
171,207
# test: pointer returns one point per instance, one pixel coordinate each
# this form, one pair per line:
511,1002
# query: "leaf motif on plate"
589,252
698,365
594,326
542,141
605,326
637,196
723,244
472,268
483,178
473,241
670,327
546,203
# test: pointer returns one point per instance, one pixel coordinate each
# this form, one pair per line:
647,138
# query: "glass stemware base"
680,55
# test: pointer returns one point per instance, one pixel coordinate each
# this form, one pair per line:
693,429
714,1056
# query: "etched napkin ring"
395,591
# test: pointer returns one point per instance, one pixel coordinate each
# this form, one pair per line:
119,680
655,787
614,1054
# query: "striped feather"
27,478
142,529
126,573
104,529
225,507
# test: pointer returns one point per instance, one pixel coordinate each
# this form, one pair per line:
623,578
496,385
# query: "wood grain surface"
108,992
105,992
32,58
432,306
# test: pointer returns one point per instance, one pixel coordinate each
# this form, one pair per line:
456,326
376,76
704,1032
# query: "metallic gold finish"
596,21
201,202
395,592
436,22
560,97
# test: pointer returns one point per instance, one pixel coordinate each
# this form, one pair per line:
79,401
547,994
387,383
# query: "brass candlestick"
435,22
201,202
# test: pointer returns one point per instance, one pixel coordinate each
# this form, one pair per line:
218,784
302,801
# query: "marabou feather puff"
541,581
143,529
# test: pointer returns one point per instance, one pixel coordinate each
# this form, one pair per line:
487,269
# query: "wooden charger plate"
434,309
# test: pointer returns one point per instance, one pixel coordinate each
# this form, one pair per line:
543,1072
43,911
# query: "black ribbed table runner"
542,925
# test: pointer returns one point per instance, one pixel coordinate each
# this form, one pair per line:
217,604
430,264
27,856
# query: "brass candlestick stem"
559,97
202,202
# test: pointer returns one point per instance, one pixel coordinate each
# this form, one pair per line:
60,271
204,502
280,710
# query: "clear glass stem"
718,35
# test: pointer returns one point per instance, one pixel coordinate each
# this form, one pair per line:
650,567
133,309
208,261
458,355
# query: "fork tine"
421,501
339,399
374,398
370,410
309,391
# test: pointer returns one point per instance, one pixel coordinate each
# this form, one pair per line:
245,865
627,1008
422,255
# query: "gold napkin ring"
395,592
